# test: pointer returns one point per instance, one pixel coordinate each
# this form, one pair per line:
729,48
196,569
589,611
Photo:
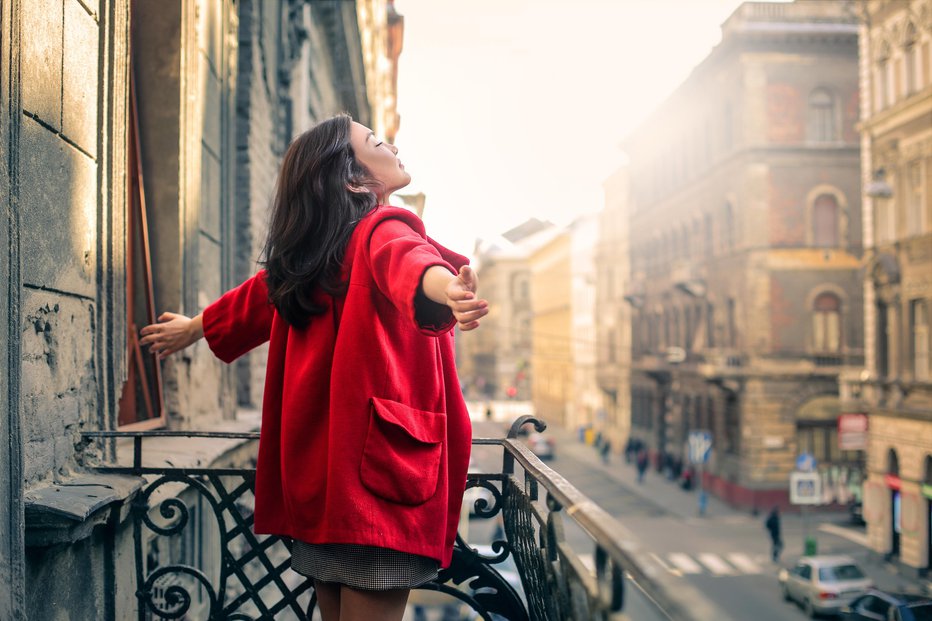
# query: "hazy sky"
512,109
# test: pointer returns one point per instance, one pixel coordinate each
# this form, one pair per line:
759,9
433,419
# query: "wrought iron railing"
183,514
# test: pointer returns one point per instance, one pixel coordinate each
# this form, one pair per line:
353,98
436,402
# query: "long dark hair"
313,216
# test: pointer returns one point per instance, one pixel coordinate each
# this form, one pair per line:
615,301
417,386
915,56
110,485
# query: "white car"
541,445
824,584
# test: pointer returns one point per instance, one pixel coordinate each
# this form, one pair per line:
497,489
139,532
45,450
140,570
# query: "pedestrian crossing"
715,564
705,563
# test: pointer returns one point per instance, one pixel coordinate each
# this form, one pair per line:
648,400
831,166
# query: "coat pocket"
401,456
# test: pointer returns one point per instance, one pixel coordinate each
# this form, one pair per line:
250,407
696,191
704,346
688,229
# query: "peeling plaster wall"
59,212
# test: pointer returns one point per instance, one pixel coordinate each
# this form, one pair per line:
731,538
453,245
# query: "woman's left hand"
461,298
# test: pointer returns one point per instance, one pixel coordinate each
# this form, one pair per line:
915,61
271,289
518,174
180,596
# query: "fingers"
471,316
468,276
465,306
457,294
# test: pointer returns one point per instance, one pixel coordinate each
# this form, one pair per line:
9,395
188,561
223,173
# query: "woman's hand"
461,298
172,333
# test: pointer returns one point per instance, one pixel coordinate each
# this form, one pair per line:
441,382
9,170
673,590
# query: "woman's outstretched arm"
234,324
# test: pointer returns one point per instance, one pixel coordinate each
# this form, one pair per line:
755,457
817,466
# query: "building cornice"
901,113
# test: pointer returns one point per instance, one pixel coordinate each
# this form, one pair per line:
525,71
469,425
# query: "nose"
394,149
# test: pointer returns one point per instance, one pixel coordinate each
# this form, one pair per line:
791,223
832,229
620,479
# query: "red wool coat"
365,435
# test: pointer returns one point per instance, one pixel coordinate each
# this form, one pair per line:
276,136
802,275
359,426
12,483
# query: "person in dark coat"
772,524
642,464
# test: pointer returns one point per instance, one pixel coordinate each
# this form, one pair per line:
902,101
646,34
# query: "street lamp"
879,188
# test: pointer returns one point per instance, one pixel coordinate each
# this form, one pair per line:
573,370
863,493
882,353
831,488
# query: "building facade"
895,388
495,362
140,144
612,312
553,389
586,408
745,235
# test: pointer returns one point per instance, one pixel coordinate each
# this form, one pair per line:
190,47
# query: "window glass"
825,221
839,573
922,612
920,329
878,607
822,116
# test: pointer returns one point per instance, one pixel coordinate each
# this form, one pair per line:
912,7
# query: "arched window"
825,222
882,94
822,125
910,52
826,323
728,233
919,326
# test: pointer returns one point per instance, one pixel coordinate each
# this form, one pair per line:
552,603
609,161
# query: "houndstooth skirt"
361,567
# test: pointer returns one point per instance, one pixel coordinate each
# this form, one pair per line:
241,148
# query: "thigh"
357,605
328,600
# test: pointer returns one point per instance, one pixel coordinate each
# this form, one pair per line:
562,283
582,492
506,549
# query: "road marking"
672,570
743,562
715,564
848,534
684,563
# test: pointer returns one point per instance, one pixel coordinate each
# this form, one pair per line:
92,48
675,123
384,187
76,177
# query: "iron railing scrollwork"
197,557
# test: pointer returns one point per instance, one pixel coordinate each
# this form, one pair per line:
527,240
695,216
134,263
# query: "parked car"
880,606
824,584
541,445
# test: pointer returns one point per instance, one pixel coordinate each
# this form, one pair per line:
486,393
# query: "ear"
358,189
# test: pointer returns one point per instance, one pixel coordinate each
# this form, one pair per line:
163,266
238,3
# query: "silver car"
824,584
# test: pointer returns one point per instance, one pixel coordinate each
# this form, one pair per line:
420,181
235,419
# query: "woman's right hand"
172,333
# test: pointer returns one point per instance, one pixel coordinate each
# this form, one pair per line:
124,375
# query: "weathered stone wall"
58,200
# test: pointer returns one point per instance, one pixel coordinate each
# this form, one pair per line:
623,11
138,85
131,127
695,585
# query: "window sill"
67,511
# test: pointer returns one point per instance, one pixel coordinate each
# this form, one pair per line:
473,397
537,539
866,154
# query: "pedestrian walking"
772,524
605,450
365,434
641,464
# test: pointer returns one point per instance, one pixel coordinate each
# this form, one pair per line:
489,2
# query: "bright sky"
512,109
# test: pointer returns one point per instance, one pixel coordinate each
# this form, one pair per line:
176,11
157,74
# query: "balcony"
248,576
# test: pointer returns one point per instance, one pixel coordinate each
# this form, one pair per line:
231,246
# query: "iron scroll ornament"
486,591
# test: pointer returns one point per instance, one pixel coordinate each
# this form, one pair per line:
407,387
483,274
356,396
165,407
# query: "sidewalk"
658,490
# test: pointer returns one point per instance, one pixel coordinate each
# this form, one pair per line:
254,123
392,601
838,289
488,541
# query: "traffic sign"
700,446
805,488
806,462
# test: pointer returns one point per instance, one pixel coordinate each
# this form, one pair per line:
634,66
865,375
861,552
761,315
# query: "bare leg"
328,600
372,605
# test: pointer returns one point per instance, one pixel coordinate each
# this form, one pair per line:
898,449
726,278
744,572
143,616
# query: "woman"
365,436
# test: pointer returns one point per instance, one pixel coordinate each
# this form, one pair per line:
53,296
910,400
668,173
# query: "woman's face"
380,159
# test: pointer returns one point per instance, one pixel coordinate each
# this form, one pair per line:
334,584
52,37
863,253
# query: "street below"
724,554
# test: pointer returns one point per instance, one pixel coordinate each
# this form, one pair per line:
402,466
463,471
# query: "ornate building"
495,362
613,313
140,144
895,388
745,236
